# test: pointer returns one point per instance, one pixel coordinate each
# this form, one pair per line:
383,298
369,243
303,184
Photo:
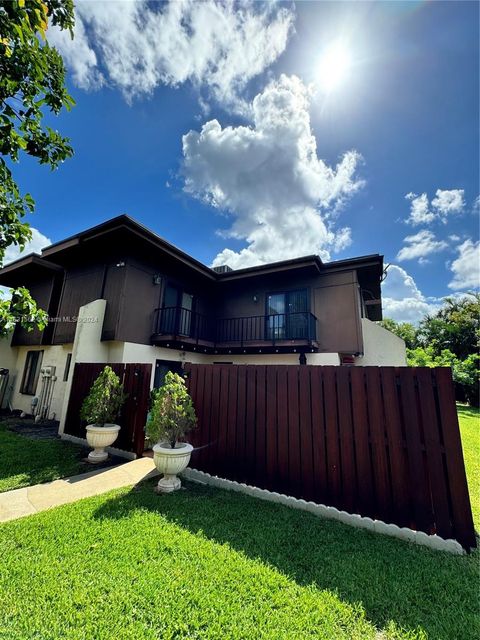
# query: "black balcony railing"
183,323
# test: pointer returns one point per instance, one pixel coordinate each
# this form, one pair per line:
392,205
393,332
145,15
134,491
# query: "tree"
32,79
104,400
403,330
456,326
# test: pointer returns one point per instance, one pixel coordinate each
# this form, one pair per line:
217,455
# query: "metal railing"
181,322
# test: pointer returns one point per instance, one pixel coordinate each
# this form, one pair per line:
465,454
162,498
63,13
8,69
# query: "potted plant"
100,409
171,417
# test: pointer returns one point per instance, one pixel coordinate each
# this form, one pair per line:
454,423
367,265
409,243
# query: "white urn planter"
170,462
100,437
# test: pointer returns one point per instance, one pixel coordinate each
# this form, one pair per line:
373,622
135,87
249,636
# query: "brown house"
119,293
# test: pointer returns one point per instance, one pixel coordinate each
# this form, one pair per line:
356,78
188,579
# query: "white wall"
87,345
381,347
53,355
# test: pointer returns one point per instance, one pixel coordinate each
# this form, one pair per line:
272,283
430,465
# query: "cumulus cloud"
401,298
36,244
268,176
448,202
420,245
445,203
466,268
419,209
139,45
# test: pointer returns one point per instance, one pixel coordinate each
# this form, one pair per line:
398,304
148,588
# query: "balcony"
177,327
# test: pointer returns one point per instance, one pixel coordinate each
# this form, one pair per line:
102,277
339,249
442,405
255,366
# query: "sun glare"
335,64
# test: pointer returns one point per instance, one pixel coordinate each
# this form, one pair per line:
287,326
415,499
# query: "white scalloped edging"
355,520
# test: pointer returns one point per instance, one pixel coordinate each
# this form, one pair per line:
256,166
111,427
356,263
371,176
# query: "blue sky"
256,134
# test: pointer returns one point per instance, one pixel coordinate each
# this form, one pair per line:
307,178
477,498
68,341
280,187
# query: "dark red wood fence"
132,419
383,442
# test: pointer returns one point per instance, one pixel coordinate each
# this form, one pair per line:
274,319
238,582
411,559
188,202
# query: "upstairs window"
31,372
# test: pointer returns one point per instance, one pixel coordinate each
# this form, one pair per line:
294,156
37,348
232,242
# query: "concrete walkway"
24,502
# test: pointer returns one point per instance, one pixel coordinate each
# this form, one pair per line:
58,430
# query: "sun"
334,67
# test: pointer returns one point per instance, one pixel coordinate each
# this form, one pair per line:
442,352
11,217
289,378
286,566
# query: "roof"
54,252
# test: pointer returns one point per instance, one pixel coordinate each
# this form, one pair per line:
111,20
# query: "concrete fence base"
378,526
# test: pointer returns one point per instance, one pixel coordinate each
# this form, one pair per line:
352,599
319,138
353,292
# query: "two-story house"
119,293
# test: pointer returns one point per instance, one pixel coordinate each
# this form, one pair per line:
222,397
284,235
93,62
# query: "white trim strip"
355,520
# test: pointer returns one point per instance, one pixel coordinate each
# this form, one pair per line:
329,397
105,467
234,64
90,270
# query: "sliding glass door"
287,315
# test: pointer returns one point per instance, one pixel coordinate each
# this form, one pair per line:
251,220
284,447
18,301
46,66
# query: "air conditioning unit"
48,372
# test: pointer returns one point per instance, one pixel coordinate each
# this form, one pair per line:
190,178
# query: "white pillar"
87,345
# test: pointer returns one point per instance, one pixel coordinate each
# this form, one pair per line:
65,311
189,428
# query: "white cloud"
401,298
420,245
36,244
466,268
445,203
448,202
79,58
138,45
419,209
269,177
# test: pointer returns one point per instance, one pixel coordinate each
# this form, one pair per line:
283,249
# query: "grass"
204,563
470,427
24,461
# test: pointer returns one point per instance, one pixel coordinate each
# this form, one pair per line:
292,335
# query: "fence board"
133,416
462,512
382,442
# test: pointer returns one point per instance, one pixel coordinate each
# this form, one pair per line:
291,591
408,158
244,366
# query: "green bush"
105,399
172,414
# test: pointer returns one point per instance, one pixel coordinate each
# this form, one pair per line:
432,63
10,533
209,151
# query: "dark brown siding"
113,292
334,300
140,298
41,292
82,285
336,306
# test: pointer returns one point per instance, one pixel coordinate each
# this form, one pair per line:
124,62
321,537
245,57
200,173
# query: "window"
67,367
31,372
287,315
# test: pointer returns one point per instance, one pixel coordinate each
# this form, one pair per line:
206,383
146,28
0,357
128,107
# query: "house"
119,293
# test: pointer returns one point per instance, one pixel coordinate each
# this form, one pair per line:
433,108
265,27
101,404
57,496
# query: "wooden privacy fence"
133,416
382,442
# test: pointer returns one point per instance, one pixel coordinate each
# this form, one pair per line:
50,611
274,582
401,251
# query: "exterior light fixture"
255,297
121,263
157,279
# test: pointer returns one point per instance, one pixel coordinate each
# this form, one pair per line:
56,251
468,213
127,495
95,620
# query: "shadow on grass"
467,410
25,461
412,586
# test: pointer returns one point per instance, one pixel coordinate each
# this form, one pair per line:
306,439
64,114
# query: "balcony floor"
185,343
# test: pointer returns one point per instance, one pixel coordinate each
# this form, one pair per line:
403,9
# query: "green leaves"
106,397
172,414
32,77
22,309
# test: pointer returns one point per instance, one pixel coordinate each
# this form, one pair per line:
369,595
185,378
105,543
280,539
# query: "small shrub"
105,399
172,414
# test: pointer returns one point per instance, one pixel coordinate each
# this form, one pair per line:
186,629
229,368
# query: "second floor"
156,294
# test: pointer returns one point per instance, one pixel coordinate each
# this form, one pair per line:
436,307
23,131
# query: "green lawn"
470,428
24,461
204,563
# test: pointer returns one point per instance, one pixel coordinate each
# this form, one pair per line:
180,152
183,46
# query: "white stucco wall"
87,345
381,347
53,356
